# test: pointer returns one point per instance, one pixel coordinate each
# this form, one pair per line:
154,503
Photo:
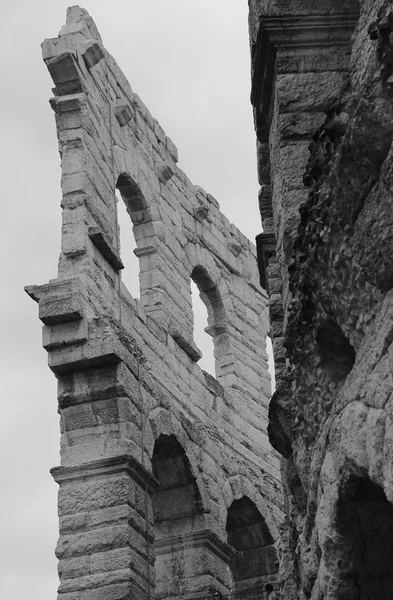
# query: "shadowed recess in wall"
255,562
337,354
177,507
364,556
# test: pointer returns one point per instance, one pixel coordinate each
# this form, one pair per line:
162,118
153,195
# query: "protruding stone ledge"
212,385
164,172
214,330
92,52
58,302
104,347
235,247
188,346
99,241
123,113
68,103
145,251
201,213
64,334
63,68
195,539
104,467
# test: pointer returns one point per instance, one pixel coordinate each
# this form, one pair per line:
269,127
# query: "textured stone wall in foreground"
323,105
167,478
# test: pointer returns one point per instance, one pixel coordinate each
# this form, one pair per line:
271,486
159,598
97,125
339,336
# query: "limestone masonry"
322,92
168,486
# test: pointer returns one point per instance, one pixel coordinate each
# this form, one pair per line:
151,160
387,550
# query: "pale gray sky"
189,62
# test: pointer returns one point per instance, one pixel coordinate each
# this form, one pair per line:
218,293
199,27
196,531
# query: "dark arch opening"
177,512
178,496
365,527
131,193
255,564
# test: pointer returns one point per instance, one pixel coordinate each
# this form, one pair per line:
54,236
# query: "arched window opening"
177,512
255,565
130,273
203,340
216,319
131,206
364,556
132,196
270,363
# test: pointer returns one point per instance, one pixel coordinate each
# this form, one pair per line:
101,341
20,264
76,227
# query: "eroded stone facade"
323,102
167,478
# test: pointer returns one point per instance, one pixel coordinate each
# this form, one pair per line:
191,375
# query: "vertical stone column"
105,549
198,562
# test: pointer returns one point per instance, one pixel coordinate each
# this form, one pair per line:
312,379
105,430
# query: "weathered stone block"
63,68
92,52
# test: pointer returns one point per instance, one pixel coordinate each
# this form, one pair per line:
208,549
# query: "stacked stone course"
154,451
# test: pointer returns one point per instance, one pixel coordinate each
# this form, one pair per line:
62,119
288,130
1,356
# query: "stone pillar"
105,549
200,560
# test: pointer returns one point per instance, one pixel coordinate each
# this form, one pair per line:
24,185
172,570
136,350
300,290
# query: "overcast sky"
189,62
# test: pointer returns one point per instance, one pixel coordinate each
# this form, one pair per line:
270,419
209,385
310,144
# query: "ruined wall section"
127,368
300,58
330,417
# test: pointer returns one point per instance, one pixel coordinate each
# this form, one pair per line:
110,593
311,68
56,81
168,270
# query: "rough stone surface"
323,111
160,462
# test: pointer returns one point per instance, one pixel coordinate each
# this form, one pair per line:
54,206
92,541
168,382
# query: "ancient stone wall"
167,478
323,104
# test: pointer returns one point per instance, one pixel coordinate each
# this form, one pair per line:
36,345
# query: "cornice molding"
195,539
293,35
107,466
315,31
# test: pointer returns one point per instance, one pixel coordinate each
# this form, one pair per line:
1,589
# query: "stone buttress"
167,478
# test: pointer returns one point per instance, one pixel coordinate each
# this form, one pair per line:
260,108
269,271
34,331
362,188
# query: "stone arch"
215,294
163,422
134,199
355,532
178,509
198,257
147,231
177,498
255,564
136,194
238,486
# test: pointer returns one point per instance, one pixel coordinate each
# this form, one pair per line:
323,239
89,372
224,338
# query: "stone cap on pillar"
195,539
107,466
292,34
